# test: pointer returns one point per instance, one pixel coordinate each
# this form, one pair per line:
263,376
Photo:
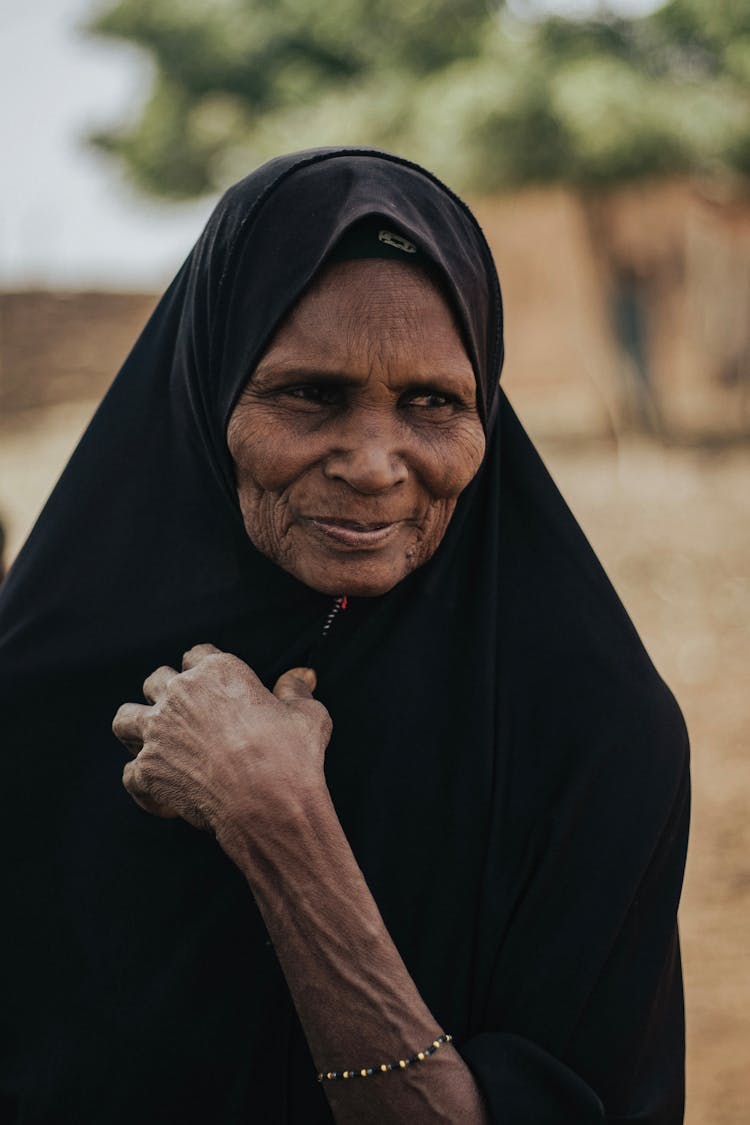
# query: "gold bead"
384,1067
402,1063
330,1076
436,1044
346,1074
363,1072
420,1056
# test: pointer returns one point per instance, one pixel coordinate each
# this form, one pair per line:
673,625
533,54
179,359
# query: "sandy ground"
672,528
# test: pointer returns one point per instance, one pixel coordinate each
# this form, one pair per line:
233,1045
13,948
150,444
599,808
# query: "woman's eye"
310,392
431,400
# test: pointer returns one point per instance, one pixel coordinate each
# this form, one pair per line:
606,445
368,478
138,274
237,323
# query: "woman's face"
358,430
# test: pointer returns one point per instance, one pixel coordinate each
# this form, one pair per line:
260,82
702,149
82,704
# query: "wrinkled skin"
361,417
216,747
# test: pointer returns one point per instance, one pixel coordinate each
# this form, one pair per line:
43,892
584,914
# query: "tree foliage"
485,98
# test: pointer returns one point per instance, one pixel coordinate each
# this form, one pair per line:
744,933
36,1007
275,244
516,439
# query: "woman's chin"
355,576
336,569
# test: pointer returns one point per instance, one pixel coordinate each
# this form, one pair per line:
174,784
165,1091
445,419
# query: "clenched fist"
214,747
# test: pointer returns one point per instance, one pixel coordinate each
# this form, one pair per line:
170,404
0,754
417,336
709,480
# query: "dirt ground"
671,526
673,530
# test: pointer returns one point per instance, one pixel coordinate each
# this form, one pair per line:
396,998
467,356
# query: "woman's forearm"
356,1001
218,749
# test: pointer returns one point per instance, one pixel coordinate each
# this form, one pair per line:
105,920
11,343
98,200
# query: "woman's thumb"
297,683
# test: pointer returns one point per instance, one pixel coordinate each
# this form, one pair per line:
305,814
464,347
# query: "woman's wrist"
272,833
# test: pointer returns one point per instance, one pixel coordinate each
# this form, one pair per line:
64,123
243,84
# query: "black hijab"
508,767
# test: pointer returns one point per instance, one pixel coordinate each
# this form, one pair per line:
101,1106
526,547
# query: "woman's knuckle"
317,718
150,725
173,688
142,769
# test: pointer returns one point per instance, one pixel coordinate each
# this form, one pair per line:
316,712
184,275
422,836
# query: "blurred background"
605,148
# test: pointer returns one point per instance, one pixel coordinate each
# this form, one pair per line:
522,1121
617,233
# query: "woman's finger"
297,683
132,782
197,653
127,725
156,684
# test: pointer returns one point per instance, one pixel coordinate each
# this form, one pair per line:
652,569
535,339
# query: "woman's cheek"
456,456
264,518
270,460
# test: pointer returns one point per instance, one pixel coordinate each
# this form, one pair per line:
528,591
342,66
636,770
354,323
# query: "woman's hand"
216,748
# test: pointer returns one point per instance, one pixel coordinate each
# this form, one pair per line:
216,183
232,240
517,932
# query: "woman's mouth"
352,533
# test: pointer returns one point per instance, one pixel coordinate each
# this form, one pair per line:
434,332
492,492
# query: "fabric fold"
524,1085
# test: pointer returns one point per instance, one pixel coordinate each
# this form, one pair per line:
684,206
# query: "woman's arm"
219,750
356,1001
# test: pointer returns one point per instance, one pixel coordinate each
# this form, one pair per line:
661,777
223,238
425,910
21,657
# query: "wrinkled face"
358,430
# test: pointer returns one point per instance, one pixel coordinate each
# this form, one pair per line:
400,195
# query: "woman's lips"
351,533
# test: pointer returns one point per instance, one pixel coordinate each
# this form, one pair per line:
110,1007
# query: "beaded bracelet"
383,1068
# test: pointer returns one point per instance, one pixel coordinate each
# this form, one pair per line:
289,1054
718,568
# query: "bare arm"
221,751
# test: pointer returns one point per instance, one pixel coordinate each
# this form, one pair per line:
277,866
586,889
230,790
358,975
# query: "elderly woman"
404,842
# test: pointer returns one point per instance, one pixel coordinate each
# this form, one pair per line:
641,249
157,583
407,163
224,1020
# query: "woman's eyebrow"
315,373
291,372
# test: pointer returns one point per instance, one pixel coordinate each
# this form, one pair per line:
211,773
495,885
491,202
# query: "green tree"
485,98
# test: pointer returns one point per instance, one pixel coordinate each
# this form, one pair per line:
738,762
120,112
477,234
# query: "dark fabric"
525,1085
370,239
508,767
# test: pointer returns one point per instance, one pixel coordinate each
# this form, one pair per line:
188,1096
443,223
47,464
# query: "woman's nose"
368,463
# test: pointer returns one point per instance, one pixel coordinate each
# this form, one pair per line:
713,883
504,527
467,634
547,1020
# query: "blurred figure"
629,310
718,284
638,239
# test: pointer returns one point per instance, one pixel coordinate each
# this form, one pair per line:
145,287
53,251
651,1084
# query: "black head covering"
506,763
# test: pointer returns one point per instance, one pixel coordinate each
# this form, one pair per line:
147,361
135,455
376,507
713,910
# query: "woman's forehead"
358,304
367,280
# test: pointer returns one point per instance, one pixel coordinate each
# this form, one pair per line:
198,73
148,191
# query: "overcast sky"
66,218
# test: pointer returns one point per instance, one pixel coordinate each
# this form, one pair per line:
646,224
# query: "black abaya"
508,767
